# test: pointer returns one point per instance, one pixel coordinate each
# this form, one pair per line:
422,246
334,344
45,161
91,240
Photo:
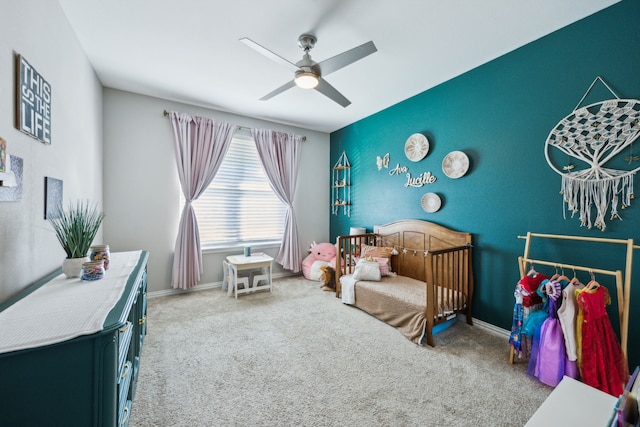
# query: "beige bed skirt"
401,302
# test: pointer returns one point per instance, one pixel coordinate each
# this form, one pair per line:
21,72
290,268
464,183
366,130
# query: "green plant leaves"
77,227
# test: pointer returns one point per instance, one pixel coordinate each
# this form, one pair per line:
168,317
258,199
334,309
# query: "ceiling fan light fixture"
306,80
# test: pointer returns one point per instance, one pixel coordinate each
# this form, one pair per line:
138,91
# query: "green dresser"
89,380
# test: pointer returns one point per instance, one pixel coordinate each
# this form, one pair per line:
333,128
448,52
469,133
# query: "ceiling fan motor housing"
306,64
307,42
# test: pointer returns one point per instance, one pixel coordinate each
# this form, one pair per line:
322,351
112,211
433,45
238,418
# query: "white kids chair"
229,282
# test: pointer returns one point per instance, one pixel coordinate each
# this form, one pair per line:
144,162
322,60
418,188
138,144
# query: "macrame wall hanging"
596,138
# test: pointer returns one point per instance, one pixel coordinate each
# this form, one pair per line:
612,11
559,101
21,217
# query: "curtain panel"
200,145
280,156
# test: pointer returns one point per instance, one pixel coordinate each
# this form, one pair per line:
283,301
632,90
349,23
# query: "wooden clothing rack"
623,282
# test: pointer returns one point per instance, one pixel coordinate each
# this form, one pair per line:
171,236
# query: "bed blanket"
348,289
399,301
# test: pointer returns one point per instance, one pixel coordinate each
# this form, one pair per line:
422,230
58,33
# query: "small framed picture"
3,155
52,197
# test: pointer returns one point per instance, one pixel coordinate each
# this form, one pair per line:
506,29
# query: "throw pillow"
384,265
376,251
367,270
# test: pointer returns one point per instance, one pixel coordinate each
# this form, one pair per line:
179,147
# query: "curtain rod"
166,114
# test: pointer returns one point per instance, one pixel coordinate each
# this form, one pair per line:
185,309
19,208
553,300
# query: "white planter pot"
72,267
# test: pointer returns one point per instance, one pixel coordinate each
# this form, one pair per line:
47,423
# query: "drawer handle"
143,320
125,419
126,371
125,327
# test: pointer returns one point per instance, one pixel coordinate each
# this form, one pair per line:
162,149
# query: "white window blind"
239,207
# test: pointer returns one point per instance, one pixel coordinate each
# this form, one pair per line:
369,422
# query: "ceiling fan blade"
266,52
345,58
279,90
332,93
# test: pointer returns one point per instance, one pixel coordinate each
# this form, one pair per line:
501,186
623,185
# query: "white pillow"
367,270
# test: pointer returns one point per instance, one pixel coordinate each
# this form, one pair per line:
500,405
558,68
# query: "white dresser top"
63,308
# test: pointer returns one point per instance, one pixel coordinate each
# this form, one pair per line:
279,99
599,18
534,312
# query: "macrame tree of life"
597,136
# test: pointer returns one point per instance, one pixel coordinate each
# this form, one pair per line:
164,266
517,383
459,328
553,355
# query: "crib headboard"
417,236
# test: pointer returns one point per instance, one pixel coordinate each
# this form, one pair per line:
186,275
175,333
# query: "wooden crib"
434,279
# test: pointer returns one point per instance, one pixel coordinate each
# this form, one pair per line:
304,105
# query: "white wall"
39,30
141,188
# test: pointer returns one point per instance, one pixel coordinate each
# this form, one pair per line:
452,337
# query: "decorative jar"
100,253
92,270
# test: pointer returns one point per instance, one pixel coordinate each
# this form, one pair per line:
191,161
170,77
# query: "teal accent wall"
500,115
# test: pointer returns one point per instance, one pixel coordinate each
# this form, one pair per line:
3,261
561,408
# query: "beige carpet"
299,357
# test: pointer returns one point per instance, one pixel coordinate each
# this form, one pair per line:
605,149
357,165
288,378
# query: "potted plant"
75,228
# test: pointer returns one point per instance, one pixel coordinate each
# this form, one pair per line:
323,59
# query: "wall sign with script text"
33,102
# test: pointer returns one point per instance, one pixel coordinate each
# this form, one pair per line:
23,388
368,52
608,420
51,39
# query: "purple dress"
552,362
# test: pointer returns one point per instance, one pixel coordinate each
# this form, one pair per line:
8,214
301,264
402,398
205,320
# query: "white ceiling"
188,50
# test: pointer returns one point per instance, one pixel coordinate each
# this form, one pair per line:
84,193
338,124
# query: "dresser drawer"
124,341
123,419
143,308
124,381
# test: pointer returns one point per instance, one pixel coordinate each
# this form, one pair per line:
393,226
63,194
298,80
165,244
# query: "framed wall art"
3,154
11,191
33,102
52,197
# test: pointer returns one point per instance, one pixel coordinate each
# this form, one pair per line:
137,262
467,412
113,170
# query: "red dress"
603,363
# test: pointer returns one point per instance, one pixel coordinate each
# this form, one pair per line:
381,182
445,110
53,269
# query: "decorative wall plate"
431,202
455,164
416,147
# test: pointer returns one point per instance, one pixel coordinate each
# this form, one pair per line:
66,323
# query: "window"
239,207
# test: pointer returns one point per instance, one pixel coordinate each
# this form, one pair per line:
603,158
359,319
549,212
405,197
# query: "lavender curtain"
280,156
200,146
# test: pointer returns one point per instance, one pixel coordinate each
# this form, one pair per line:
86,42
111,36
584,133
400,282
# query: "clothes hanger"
574,280
562,276
556,275
593,284
532,271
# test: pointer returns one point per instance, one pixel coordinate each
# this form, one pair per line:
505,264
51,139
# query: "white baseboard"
491,328
201,287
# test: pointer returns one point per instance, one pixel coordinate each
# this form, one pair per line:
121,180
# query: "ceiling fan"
308,73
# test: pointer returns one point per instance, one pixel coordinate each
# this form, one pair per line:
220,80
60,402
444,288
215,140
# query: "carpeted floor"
299,357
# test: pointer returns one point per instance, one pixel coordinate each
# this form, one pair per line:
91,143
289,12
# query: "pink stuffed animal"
320,254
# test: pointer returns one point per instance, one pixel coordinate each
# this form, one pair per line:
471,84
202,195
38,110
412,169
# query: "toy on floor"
328,278
319,254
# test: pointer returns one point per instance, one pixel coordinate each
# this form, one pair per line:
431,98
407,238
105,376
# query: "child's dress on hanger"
552,362
603,363
532,326
567,313
528,302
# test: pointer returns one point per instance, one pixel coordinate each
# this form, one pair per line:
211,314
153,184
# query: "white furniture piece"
574,403
231,282
241,262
